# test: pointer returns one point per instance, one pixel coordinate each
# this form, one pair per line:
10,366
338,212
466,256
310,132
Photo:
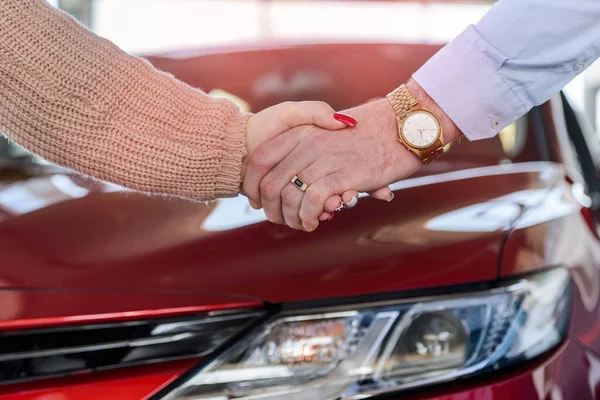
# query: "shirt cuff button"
579,66
494,123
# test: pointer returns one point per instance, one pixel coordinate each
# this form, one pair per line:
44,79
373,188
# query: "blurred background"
186,27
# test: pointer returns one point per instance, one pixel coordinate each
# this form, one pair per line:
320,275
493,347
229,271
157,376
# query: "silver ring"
299,183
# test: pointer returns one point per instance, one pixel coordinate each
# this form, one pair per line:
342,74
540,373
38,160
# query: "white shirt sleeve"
517,56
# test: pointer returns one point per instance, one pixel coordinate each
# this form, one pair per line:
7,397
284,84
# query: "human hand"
365,158
280,118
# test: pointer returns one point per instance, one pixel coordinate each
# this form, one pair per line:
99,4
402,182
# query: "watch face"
420,129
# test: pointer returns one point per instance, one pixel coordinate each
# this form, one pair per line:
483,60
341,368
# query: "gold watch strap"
429,155
402,101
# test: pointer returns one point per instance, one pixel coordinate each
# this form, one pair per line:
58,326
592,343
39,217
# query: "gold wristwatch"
419,130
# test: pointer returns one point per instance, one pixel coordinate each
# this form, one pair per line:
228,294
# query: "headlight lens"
362,351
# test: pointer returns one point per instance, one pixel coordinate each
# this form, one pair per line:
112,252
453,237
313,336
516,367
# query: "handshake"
305,162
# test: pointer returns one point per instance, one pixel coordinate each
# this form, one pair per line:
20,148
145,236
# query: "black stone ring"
299,183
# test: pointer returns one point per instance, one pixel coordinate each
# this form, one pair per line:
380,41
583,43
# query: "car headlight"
360,351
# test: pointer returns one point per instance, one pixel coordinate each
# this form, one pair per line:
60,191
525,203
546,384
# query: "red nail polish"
346,119
330,217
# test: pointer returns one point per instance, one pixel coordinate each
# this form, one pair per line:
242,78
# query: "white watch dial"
420,129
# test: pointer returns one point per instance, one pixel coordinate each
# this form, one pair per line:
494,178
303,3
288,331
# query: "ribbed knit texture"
79,101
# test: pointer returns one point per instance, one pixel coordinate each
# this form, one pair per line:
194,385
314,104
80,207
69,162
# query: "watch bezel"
401,123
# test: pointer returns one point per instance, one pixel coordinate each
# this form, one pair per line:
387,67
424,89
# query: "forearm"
519,55
79,101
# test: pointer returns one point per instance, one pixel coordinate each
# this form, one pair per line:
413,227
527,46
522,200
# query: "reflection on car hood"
60,231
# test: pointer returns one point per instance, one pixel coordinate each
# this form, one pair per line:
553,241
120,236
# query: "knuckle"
268,189
314,141
306,214
292,222
315,196
275,219
273,215
334,183
288,197
322,106
259,159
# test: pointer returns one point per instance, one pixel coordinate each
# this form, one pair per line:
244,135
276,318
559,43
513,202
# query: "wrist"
449,128
252,143
400,162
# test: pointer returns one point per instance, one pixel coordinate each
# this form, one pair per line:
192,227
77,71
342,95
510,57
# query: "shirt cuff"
462,78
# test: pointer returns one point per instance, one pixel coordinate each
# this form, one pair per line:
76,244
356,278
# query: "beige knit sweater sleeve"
79,101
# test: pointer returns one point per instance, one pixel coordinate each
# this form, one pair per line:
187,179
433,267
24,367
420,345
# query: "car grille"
50,352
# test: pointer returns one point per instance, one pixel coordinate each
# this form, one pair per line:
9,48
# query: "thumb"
308,113
282,117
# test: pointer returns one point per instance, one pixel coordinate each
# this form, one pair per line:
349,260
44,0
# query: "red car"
480,281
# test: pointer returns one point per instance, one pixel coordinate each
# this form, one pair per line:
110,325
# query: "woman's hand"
280,118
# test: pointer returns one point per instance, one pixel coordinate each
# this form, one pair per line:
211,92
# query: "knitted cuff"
232,153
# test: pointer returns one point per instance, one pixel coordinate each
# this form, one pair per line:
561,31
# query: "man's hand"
280,118
366,157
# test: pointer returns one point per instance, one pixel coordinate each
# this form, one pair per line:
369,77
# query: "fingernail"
340,208
307,227
330,217
346,119
391,197
253,205
352,202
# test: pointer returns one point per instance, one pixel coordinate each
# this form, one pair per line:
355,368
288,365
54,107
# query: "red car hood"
61,233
